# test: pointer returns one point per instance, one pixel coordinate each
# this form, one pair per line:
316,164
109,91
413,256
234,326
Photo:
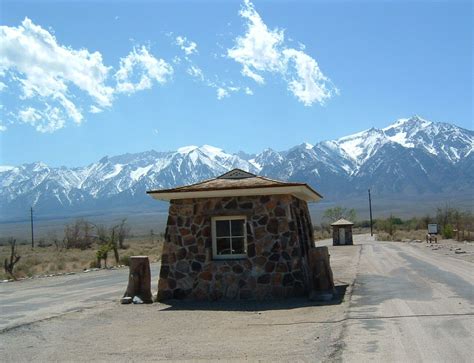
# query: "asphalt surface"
28,301
404,303
409,304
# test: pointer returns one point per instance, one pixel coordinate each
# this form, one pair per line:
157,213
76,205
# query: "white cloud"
262,49
95,109
49,120
67,80
222,93
305,79
2,128
248,91
258,50
196,72
29,115
45,70
256,77
187,46
142,66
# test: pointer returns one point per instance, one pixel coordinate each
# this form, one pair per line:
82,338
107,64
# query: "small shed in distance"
342,232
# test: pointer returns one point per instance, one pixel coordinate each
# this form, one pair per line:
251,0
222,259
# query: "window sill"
229,257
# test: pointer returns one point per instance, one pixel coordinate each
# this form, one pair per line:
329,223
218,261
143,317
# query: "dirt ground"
462,250
293,329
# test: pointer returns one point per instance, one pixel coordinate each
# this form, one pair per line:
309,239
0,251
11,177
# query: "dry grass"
402,235
49,260
321,234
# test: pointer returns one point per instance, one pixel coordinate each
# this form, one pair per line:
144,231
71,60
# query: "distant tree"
78,234
388,225
108,241
9,265
448,231
102,254
425,221
444,216
123,231
338,212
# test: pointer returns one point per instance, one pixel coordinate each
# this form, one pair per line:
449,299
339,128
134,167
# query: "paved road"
27,301
409,305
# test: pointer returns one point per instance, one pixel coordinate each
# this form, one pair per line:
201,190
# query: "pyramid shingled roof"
237,182
342,222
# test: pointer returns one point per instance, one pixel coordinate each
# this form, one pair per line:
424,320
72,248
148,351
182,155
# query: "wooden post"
139,280
32,234
370,209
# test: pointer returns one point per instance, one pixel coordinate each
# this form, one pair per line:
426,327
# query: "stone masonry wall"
279,234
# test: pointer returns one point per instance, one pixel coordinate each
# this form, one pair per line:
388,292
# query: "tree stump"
139,280
321,274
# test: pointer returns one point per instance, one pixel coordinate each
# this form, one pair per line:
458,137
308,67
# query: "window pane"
223,246
238,247
222,229
237,227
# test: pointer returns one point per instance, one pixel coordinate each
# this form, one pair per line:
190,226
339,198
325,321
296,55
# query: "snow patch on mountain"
362,145
336,165
117,169
186,149
139,172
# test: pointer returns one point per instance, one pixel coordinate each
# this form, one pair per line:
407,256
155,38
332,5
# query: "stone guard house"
238,236
342,232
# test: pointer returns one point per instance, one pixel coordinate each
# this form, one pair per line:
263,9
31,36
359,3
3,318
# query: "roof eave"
303,192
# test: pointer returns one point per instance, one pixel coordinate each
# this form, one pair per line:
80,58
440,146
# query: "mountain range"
410,158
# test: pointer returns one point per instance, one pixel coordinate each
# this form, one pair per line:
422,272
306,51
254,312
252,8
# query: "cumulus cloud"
95,109
2,127
139,69
262,50
46,121
187,46
307,82
195,72
259,49
225,91
46,69
64,80
222,93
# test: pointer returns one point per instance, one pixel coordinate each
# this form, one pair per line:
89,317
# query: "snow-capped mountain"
411,156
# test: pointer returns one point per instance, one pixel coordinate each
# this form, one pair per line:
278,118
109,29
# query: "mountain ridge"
410,156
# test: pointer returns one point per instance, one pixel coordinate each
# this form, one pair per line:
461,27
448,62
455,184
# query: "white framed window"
229,237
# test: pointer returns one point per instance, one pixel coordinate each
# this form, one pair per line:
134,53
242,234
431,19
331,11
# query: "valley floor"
403,302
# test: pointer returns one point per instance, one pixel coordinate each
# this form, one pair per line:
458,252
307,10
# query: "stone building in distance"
342,232
238,236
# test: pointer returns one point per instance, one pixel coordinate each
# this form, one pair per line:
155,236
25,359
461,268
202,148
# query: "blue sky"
80,80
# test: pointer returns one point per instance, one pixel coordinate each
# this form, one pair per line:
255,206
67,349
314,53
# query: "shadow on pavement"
252,305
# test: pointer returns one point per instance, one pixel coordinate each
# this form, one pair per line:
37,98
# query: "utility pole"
32,234
370,209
